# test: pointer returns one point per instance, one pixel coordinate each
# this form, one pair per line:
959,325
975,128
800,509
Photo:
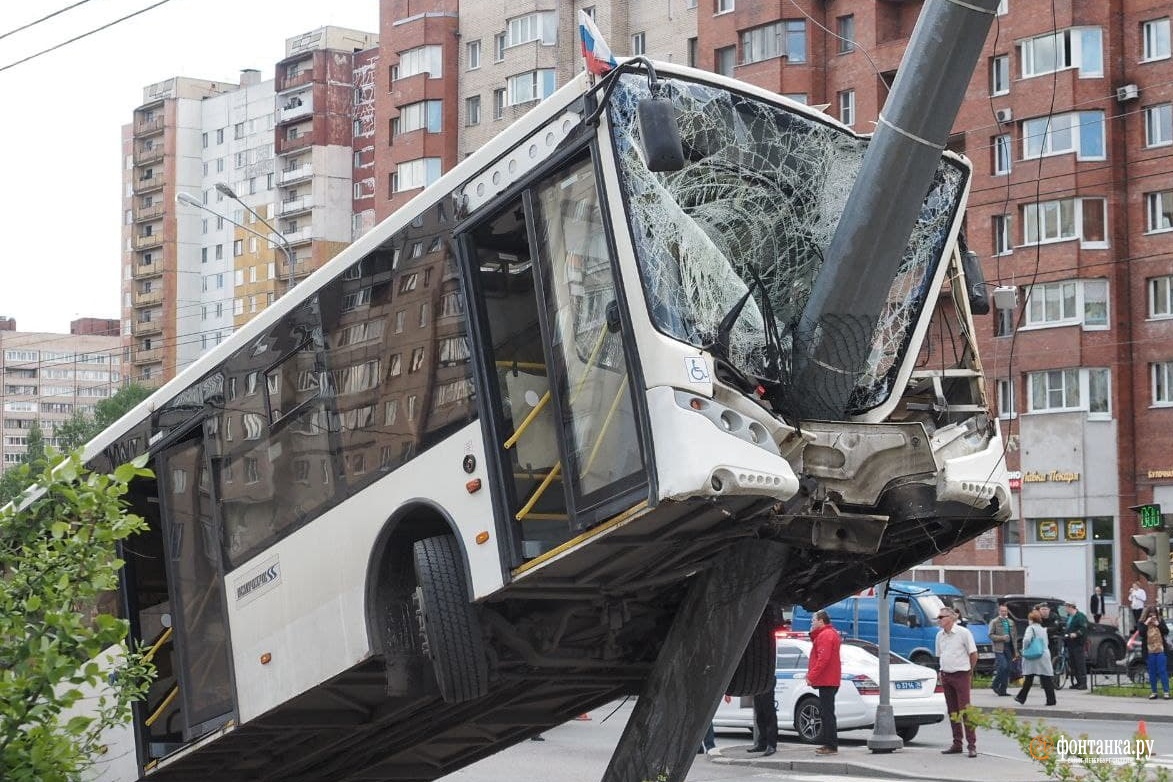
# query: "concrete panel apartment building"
1068,124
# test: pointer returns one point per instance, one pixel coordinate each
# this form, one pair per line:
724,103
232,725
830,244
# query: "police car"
916,697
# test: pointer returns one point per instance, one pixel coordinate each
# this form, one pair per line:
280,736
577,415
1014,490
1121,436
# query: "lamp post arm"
282,243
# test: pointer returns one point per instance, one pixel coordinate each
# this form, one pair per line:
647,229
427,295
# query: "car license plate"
907,685
986,656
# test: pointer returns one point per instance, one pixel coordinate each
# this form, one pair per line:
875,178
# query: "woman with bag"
1036,660
1154,641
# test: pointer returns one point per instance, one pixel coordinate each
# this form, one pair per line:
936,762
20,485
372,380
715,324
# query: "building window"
692,52
499,103
1162,383
845,26
1002,155
237,248
1001,232
1078,47
1065,219
1159,211
722,6
1006,407
219,252
1000,74
499,47
847,107
473,55
724,60
540,26
472,110
1081,132
784,38
1065,390
530,86
423,115
1158,125
1071,302
415,174
1155,40
1161,297
639,44
422,59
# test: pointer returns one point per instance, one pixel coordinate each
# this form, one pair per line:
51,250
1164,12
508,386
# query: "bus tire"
755,671
448,623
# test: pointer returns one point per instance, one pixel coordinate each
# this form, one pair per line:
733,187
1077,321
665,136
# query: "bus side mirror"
660,135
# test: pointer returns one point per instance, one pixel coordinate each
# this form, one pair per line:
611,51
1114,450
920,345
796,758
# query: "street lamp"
282,244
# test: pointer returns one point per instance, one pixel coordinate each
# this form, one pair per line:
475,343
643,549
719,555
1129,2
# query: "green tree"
58,554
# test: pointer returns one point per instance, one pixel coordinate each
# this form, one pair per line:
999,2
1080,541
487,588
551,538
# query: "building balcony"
286,145
152,212
146,184
146,242
148,126
293,82
143,298
294,205
142,328
141,270
294,173
290,112
301,236
143,156
152,356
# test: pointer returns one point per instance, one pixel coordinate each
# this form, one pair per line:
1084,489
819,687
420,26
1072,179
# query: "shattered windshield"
761,192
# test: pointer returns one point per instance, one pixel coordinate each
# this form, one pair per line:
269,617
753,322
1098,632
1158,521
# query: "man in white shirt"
957,654
1137,597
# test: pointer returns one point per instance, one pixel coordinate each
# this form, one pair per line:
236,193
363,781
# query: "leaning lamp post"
281,243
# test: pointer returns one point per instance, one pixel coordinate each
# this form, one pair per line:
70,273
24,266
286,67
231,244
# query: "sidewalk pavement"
923,761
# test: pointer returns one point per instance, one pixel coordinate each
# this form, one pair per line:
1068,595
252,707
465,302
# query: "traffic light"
1156,567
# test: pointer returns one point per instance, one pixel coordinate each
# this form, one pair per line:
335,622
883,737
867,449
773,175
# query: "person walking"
1154,650
1075,639
1005,648
765,723
824,674
1095,606
1036,666
1137,597
957,653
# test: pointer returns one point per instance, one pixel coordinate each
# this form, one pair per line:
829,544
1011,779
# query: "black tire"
448,622
1059,665
908,732
808,720
1138,672
755,671
1107,654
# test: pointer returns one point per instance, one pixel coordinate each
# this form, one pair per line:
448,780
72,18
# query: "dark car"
982,608
1105,644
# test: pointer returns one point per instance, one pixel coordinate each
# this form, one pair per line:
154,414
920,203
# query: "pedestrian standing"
1137,597
957,654
1154,649
1075,639
1005,648
1036,666
1095,605
824,673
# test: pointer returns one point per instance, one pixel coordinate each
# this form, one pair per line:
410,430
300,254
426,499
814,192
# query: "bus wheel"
448,622
755,671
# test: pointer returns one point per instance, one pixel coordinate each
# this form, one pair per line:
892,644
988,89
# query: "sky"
60,193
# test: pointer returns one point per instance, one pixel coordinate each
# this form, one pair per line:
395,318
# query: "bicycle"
1063,673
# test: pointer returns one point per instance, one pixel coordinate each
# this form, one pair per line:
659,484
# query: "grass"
1125,690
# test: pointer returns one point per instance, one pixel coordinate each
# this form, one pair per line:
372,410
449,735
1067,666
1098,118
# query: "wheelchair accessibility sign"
696,370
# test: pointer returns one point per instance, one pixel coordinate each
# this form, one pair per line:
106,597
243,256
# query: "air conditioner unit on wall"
1003,116
1127,92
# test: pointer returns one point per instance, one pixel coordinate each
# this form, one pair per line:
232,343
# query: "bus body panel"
310,617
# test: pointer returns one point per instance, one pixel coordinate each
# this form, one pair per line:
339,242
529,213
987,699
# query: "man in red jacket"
824,674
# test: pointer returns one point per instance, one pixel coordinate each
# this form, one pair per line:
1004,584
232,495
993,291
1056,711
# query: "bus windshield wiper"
719,347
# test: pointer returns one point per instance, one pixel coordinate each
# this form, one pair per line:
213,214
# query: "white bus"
450,490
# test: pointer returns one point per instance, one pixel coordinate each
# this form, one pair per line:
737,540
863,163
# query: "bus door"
205,692
559,378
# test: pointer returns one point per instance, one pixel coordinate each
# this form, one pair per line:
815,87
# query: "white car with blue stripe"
915,694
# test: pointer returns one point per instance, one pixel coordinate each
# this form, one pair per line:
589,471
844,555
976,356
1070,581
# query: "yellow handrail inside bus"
513,438
527,365
162,706
538,492
164,638
606,423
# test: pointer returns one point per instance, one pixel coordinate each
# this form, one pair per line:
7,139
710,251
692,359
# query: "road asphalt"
925,762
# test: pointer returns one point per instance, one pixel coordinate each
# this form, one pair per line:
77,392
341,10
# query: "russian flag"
595,51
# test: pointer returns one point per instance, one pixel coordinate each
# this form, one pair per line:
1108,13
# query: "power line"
35,22
83,35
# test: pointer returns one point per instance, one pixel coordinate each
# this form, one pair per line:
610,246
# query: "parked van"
913,609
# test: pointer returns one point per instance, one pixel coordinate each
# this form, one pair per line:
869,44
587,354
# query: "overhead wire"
44,18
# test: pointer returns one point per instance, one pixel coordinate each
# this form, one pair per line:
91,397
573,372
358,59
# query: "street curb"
1106,716
842,768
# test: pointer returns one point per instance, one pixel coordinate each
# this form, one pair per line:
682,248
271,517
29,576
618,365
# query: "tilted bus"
449,490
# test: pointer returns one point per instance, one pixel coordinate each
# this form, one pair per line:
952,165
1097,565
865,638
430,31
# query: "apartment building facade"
48,377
